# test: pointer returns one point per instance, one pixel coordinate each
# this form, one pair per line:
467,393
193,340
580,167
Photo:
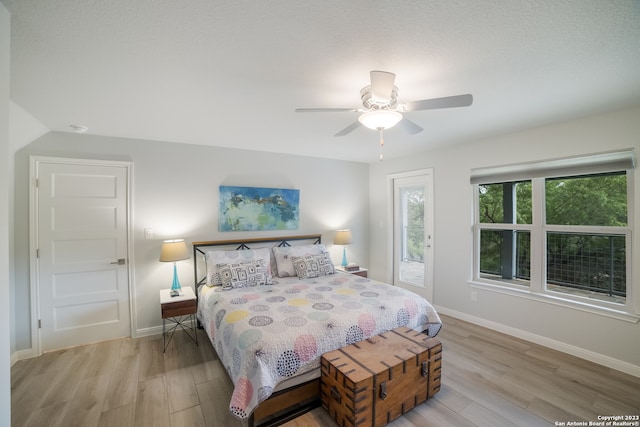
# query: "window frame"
537,288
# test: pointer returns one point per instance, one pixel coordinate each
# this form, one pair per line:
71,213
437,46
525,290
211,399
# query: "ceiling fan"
381,109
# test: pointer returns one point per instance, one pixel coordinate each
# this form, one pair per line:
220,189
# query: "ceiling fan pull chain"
381,142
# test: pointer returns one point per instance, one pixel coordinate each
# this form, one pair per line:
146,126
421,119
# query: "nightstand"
362,272
177,311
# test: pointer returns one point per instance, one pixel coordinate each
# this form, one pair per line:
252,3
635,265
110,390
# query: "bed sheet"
266,334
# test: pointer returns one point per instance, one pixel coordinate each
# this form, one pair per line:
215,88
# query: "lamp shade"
343,237
174,250
380,119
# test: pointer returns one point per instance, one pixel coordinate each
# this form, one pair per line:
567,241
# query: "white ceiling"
231,73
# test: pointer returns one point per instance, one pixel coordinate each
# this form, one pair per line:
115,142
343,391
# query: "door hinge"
38,253
39,323
37,183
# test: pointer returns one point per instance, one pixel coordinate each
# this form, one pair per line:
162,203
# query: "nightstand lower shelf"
175,323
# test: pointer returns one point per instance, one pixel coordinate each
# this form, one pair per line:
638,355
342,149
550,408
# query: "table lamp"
173,251
343,237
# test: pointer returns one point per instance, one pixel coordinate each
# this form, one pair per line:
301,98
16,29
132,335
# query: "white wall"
5,179
603,339
175,192
24,127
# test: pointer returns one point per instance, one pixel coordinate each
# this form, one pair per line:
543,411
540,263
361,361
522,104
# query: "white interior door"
412,232
82,262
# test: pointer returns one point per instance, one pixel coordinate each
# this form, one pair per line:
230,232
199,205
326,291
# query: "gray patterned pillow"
284,257
310,266
213,258
243,275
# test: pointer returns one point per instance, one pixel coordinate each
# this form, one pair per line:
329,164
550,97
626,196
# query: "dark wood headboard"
200,248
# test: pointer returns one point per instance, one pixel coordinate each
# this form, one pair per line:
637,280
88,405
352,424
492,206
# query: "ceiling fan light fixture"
380,119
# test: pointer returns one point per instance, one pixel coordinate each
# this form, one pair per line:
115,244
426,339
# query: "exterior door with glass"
412,232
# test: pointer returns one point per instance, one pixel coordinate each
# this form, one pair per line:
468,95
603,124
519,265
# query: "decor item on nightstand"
354,269
173,251
343,237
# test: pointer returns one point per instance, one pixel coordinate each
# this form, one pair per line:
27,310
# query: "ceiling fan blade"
382,85
435,103
353,126
409,127
325,110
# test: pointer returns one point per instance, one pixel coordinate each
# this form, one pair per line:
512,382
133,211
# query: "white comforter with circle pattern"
266,334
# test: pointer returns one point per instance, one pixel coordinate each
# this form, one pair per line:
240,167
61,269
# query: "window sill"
556,300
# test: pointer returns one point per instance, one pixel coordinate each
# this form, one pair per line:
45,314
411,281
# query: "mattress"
270,337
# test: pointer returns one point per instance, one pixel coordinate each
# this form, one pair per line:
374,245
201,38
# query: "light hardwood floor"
489,379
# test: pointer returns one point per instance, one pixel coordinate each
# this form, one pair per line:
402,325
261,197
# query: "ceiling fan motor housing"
370,102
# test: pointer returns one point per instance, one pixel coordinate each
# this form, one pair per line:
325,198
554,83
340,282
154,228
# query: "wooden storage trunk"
374,381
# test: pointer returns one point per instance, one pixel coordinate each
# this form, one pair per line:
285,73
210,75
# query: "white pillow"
283,255
310,266
239,256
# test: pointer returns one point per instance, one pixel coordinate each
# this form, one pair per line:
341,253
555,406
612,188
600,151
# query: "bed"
272,318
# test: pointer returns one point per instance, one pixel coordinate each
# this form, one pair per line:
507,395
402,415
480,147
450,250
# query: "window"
557,229
505,249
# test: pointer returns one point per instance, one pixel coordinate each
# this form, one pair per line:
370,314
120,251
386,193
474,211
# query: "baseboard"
146,332
154,330
601,359
21,355
29,353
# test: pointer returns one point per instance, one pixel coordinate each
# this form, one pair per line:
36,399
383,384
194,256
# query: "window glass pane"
588,200
412,235
592,263
505,203
523,255
505,255
490,250
414,226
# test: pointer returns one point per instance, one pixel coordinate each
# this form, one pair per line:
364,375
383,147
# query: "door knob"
119,262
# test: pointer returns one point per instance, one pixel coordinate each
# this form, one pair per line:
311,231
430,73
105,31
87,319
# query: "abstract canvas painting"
256,208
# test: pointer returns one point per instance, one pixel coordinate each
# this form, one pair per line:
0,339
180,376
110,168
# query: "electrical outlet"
474,296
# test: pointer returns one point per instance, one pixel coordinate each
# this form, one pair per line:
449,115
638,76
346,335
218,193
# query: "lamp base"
175,286
344,257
